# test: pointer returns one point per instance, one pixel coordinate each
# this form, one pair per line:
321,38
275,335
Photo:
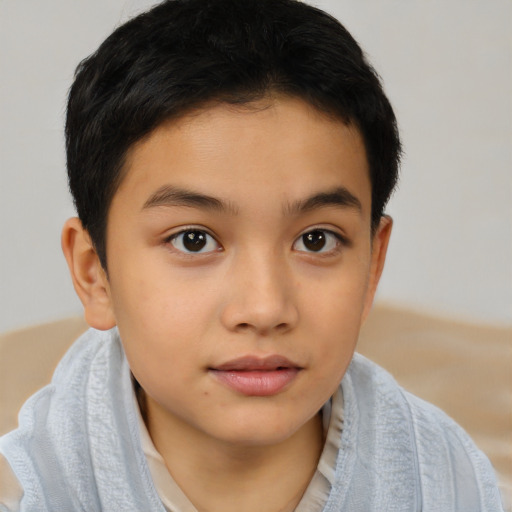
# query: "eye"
194,241
319,241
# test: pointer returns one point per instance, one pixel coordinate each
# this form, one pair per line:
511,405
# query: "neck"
222,476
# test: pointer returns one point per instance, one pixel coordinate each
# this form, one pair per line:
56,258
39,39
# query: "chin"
260,430
255,439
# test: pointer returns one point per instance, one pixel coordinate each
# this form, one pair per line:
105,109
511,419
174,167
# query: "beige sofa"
464,369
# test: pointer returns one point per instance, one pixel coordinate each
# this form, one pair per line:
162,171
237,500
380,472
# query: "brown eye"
194,241
314,241
319,241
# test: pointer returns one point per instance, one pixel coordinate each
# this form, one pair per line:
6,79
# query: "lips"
253,376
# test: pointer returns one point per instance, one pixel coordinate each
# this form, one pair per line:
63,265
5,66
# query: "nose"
260,296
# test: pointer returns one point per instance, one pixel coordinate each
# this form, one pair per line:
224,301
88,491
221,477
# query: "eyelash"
336,238
204,236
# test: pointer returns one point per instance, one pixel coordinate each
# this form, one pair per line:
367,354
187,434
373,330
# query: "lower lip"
257,382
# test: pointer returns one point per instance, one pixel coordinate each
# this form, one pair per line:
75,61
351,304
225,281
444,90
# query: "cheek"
160,322
338,297
335,315
152,296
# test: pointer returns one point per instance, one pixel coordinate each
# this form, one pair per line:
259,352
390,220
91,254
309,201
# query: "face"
240,266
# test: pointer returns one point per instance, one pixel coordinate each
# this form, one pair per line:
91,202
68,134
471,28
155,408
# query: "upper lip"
255,363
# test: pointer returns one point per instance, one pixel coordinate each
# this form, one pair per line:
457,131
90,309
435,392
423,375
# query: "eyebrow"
170,195
337,197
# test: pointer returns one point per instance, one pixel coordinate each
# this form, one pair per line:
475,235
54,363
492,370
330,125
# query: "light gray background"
447,68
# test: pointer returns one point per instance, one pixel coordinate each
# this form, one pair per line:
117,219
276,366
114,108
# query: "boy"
230,162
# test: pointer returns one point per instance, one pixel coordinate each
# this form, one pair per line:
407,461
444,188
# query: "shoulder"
449,461
448,467
11,491
53,422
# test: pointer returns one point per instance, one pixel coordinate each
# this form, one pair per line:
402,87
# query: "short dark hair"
182,54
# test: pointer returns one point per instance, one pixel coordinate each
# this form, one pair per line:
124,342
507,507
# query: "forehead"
276,143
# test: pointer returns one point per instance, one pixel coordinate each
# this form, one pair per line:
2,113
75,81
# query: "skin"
255,289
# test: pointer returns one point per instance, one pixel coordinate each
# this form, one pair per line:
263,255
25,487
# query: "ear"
89,279
379,249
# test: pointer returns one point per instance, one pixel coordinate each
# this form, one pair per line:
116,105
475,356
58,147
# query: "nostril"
245,326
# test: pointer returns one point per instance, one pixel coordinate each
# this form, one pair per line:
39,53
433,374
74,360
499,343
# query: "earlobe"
89,278
379,250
